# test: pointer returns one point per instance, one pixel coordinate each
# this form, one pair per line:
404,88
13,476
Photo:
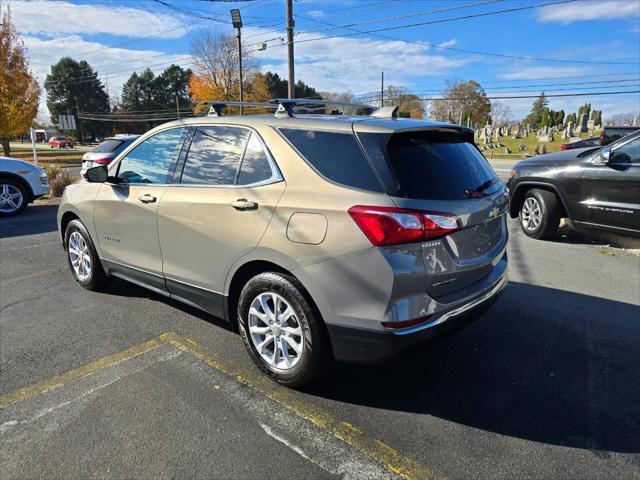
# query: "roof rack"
284,107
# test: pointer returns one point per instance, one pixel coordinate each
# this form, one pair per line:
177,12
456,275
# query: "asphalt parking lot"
126,383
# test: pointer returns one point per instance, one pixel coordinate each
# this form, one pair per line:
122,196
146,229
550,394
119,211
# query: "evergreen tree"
535,116
74,88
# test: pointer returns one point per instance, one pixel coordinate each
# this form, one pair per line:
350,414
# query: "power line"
409,15
431,45
535,96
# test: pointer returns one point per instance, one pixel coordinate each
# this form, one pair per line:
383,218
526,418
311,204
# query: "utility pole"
290,25
236,20
382,90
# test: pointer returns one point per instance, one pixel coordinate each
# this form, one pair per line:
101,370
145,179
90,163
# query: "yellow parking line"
347,433
58,380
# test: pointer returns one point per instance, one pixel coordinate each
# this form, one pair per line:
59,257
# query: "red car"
60,142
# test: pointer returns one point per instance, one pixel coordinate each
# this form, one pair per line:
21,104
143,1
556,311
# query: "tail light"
564,147
394,226
102,161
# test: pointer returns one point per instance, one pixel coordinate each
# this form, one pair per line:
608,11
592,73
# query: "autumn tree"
74,88
409,105
462,102
19,91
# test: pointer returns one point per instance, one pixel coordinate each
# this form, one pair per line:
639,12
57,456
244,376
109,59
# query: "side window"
255,164
337,156
214,156
628,153
152,160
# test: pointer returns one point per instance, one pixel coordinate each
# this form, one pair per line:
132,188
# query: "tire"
14,197
77,239
540,214
314,357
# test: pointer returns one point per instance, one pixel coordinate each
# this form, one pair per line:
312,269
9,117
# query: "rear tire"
540,214
274,315
82,257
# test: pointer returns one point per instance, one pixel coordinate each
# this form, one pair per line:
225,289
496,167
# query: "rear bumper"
357,345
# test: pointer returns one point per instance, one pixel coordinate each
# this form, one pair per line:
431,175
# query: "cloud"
52,18
448,43
589,10
534,73
316,14
340,64
45,52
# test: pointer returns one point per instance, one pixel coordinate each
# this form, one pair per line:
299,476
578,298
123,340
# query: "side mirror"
605,155
97,174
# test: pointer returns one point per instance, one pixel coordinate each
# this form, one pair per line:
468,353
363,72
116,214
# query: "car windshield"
435,165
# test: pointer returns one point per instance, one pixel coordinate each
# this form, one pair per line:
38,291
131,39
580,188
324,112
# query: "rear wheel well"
21,181
250,270
66,219
521,192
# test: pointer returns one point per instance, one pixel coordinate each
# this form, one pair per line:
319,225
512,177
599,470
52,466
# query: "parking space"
544,385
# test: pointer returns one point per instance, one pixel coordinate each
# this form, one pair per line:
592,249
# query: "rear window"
437,166
336,156
108,146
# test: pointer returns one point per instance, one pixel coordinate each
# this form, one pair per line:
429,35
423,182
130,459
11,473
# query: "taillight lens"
393,226
564,147
102,161
438,225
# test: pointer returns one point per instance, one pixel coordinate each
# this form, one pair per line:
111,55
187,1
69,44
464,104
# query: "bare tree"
630,119
217,57
501,115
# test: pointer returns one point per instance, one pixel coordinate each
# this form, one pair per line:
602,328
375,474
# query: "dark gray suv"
320,237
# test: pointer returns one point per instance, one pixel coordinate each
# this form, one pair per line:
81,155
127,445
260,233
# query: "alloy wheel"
80,256
11,198
275,331
531,214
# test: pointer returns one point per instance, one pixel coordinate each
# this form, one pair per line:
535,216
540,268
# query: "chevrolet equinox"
318,237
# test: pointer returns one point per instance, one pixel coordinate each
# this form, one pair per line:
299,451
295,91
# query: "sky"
511,47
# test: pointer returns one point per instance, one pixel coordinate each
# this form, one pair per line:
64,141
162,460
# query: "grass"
60,158
530,142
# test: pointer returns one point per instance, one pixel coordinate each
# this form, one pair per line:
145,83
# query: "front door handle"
244,204
146,198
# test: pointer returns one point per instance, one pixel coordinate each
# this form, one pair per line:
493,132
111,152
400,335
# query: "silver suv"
320,237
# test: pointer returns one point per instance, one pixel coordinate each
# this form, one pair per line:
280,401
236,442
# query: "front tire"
540,214
83,258
281,330
14,197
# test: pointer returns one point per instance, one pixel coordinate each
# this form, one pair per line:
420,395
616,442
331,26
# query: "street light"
236,21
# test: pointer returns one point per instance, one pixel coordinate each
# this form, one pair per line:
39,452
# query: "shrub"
59,178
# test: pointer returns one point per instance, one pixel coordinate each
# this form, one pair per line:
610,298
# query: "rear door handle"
244,204
146,198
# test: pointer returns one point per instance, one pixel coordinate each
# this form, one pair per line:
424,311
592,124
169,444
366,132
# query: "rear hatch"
440,170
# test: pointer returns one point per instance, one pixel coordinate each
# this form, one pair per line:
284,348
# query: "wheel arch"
66,218
249,269
517,197
21,181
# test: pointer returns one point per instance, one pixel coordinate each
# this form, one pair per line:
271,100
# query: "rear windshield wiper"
477,192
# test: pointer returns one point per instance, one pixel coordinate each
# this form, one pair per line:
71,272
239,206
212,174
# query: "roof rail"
216,107
284,106
386,112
